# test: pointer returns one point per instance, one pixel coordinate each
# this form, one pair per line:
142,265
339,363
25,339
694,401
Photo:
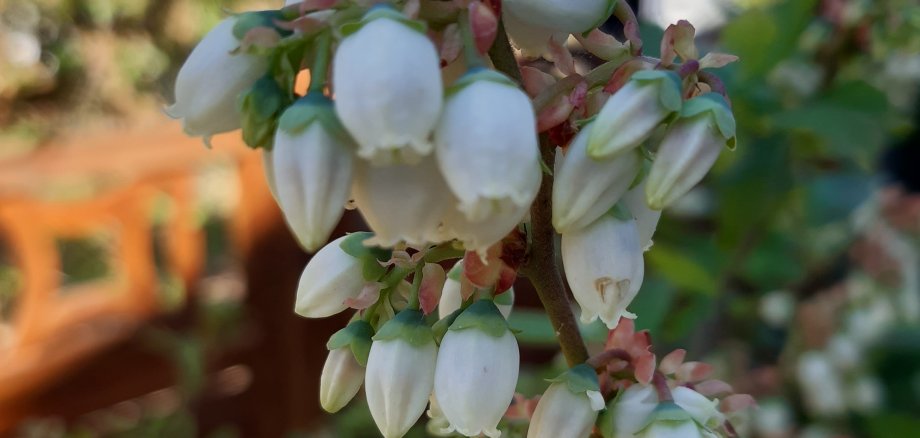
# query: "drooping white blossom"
210,81
585,188
689,149
400,373
311,171
570,16
331,277
569,407
477,371
341,379
532,40
401,202
388,90
604,267
646,217
486,144
631,114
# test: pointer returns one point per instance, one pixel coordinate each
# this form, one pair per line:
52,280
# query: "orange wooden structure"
59,337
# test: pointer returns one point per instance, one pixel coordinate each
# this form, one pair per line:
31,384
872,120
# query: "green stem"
470,51
540,267
320,67
414,302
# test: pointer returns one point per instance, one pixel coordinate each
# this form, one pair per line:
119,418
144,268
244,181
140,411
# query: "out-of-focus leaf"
774,263
687,317
833,197
533,327
893,425
681,269
750,36
652,304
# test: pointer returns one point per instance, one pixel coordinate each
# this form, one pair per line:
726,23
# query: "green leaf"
652,304
370,256
835,197
409,326
682,269
260,108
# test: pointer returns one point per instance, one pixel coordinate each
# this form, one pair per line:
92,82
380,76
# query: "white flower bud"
400,373
700,407
487,146
388,90
401,202
570,16
569,406
646,217
477,371
633,112
330,278
312,171
210,81
604,267
689,149
674,429
341,379
632,409
480,235
530,39
586,188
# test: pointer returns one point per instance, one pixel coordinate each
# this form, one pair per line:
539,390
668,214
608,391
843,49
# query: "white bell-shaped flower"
388,90
487,146
341,379
210,81
402,202
331,277
586,188
312,169
400,373
689,149
569,407
477,371
704,410
604,266
634,111
685,428
646,217
532,40
570,16
632,410
480,235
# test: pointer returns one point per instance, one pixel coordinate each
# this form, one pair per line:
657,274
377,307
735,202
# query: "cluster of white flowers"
434,168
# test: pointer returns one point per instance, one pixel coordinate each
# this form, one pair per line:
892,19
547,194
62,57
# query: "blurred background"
147,283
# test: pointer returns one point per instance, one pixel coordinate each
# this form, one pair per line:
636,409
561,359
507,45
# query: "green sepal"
314,107
479,74
409,326
357,336
456,272
716,105
484,316
643,171
603,18
440,328
579,379
505,298
260,107
669,412
250,20
387,12
669,86
370,256
620,212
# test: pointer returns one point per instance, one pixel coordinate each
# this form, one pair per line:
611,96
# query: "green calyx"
669,412
409,326
668,83
370,256
484,316
357,336
260,107
250,20
479,74
579,379
717,107
440,328
505,298
383,11
455,272
314,107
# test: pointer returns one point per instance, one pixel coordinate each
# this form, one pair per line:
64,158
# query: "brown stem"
600,360
541,267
